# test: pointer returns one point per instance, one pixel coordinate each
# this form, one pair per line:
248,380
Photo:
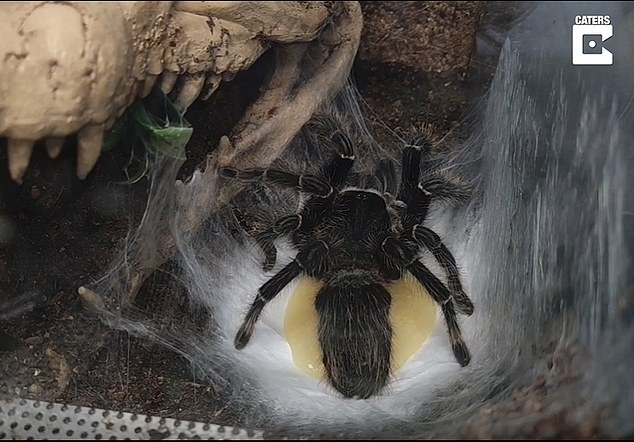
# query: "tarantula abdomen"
356,343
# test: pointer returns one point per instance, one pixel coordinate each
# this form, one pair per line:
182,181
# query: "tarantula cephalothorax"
357,242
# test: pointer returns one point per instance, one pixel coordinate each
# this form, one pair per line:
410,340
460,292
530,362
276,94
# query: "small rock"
34,340
58,363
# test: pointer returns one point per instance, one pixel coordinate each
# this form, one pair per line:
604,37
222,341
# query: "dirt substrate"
412,72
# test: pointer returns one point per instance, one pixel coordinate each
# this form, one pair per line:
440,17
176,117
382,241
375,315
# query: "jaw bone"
75,67
264,131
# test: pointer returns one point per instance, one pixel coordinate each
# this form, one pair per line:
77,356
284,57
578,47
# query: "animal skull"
75,67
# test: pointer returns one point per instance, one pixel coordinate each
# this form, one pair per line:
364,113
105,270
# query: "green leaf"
154,123
171,141
161,135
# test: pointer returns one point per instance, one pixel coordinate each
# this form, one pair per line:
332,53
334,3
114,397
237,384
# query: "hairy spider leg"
436,187
441,295
335,173
285,225
400,253
430,239
386,175
311,260
410,168
340,165
418,197
416,194
311,184
265,294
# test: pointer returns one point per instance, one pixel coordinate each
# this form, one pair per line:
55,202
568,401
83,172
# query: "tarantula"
356,242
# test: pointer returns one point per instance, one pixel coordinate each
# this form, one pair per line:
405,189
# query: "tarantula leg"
420,198
440,188
339,167
428,238
398,251
388,266
396,254
441,295
386,174
311,260
417,208
283,226
265,241
411,168
266,293
304,183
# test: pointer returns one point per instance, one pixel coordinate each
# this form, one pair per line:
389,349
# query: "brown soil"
413,61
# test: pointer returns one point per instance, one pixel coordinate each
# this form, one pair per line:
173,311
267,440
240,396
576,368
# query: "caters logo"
588,34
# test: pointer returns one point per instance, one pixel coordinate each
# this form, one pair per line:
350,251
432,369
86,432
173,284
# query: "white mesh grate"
25,419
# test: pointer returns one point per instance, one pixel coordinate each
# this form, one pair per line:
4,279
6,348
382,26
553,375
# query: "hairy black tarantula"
356,242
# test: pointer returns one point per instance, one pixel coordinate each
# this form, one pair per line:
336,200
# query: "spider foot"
228,172
346,151
419,143
440,187
245,332
269,262
461,352
242,338
270,253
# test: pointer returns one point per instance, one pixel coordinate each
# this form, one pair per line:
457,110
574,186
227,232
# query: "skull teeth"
19,154
168,81
54,146
90,138
147,86
89,141
190,90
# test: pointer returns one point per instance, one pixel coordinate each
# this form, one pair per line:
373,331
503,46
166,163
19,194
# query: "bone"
90,139
283,22
212,82
155,60
54,146
19,155
90,299
272,121
168,81
148,84
228,76
192,85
